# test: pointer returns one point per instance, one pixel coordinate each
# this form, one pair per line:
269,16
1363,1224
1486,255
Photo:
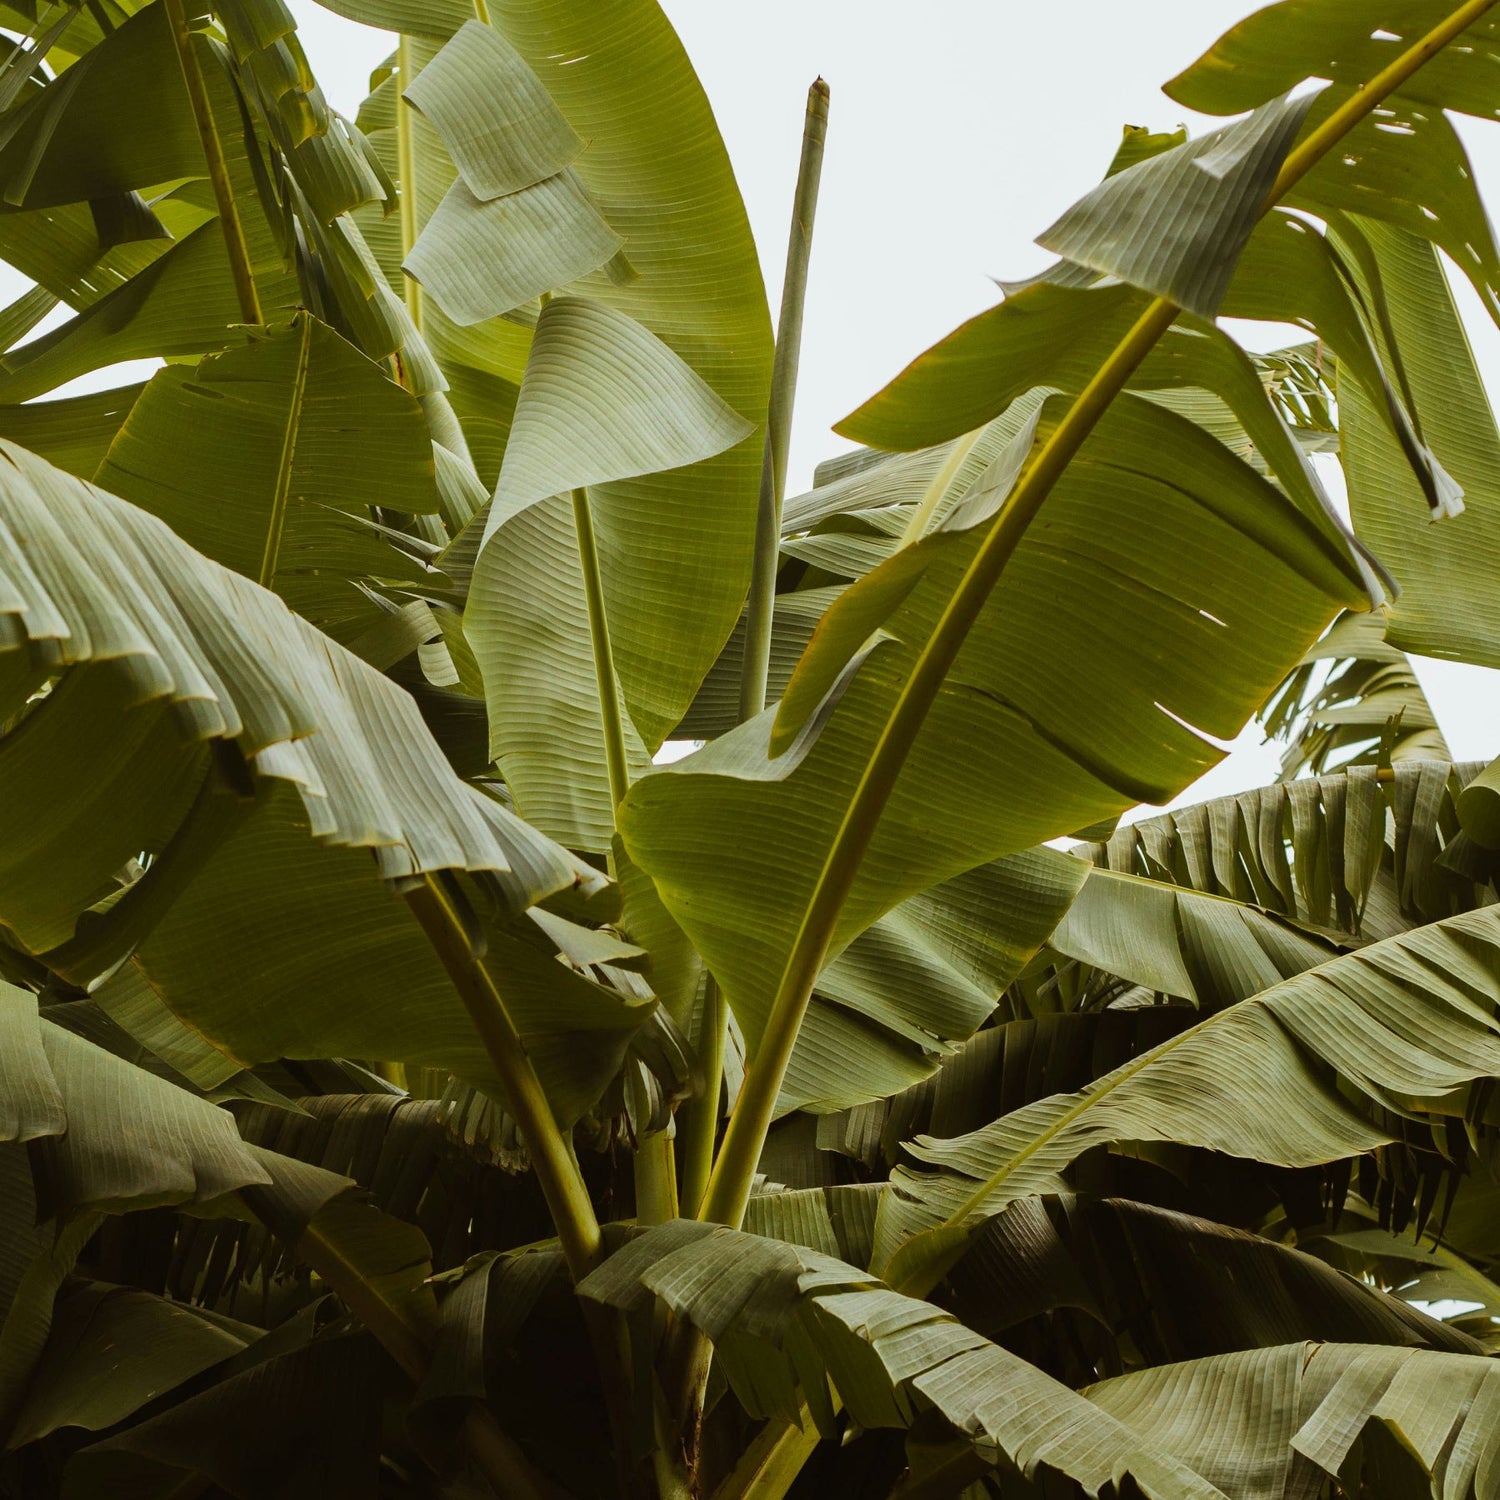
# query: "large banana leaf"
131,629
599,405
1347,851
1368,703
1271,1424
658,171
266,457
734,839
1409,1020
784,1321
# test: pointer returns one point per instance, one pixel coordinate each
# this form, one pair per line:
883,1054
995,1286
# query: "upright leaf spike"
779,415
703,1117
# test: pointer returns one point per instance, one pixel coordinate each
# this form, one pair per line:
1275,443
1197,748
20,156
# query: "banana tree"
410,1087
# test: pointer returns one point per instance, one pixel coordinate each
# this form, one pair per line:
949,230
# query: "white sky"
958,130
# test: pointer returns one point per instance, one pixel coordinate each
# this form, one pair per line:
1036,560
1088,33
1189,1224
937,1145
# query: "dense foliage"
408,1089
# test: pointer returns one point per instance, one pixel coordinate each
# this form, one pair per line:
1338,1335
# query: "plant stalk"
702,1118
280,501
655,1178
654,1164
406,171
729,1187
758,609
767,1469
604,663
551,1154
218,169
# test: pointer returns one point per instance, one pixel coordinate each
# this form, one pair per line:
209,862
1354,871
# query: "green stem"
655,1178
604,663
282,497
729,1188
701,1125
654,1165
406,172
551,1154
767,1469
701,1121
758,610
218,169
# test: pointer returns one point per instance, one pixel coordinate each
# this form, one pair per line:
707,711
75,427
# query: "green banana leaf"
267,457
1284,1419
1012,714
786,1321
1400,1024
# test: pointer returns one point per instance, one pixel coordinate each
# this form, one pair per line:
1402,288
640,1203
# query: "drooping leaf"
111,1351
30,1104
1185,1287
1174,223
280,948
499,124
480,259
1399,1020
1204,949
785,1320
1272,1423
1441,569
182,303
131,1139
120,610
604,399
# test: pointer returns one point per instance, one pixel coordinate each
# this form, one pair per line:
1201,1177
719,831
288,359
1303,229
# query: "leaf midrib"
282,495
